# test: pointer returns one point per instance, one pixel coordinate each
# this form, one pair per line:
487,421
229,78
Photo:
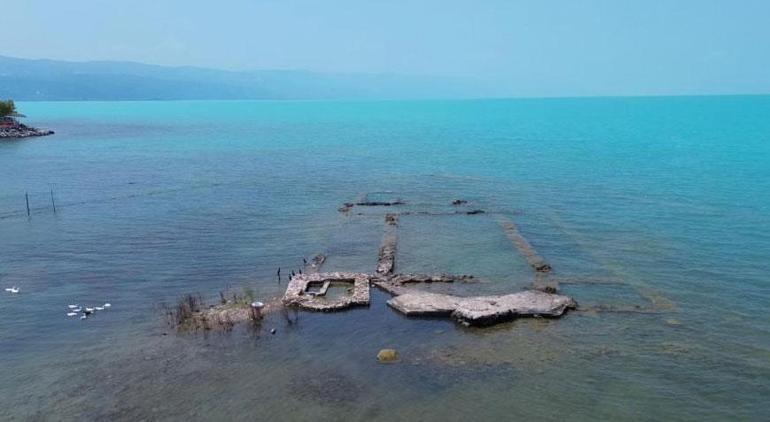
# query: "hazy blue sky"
538,47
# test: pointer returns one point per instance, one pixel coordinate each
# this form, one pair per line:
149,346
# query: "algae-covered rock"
387,355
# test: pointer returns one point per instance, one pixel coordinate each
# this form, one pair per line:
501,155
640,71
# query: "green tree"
7,108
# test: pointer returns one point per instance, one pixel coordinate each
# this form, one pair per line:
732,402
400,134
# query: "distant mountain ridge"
50,80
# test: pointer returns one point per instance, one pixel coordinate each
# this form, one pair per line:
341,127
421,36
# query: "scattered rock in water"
387,355
346,207
549,289
272,331
380,203
459,202
391,219
545,283
314,265
474,212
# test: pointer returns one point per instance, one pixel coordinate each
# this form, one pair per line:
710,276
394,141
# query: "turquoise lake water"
657,205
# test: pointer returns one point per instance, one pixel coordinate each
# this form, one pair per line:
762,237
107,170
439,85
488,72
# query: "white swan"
89,309
13,290
83,317
71,313
76,310
72,306
107,305
98,308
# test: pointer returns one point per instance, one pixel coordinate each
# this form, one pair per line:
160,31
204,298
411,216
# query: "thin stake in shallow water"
26,197
52,202
279,274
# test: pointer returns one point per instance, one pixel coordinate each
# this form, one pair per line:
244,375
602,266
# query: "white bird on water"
84,311
13,290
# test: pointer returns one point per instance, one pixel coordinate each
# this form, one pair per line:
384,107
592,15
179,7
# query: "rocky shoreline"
22,131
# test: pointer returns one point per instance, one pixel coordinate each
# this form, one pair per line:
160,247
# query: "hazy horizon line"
221,69
359,100
447,78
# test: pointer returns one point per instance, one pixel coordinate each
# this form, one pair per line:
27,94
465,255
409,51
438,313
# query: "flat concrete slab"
297,293
482,310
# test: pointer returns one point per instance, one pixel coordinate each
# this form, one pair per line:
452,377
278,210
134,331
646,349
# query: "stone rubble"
314,265
22,131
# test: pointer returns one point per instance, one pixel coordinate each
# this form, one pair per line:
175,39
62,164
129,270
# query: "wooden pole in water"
52,202
26,197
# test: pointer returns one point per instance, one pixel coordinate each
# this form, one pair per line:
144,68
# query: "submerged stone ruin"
398,284
314,290
482,310
387,258
309,291
523,246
